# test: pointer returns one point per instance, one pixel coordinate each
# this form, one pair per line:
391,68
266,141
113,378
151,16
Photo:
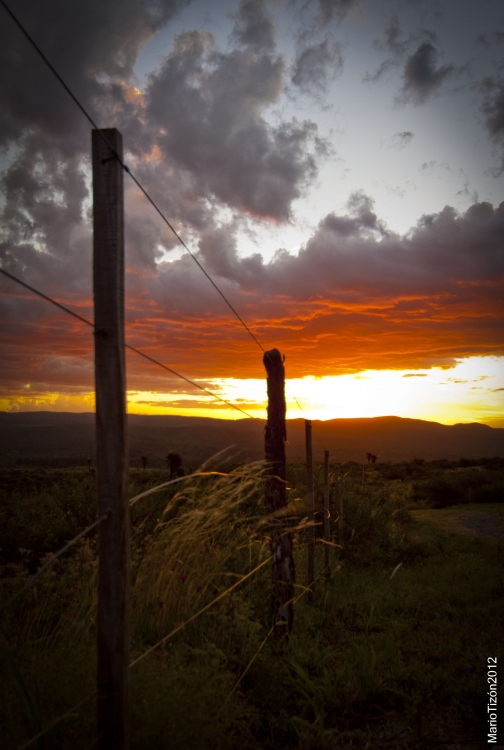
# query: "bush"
459,486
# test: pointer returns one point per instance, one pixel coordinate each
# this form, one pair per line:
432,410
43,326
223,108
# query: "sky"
336,166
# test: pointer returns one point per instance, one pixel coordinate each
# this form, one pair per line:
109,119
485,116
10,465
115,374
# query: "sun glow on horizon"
470,391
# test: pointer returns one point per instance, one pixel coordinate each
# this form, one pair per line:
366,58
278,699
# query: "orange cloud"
343,305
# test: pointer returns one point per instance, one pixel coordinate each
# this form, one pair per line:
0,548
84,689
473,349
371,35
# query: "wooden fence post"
311,508
341,491
283,570
327,511
111,443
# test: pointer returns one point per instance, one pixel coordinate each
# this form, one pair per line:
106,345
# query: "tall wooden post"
311,508
283,571
327,511
111,443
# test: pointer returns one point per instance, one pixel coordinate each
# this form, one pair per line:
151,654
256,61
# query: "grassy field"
391,653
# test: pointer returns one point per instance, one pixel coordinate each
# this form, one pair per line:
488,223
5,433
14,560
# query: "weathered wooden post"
283,571
327,512
111,442
311,509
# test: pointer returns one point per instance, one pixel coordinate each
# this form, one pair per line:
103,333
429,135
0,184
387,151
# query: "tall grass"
203,542
376,655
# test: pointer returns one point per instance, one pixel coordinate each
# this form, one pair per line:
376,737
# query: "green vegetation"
394,645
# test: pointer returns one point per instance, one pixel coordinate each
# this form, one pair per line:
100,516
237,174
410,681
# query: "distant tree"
89,464
373,459
369,456
144,461
174,461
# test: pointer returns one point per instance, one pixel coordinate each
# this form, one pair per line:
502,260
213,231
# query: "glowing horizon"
470,391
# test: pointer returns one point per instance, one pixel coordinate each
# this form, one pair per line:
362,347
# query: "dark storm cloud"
83,41
207,109
316,65
45,221
254,26
421,76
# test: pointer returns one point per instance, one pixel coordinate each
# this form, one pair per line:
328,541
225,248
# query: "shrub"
460,486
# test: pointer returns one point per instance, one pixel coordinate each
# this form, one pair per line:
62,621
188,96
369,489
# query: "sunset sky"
337,166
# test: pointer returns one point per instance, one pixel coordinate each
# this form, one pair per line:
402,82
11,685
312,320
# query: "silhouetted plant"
174,461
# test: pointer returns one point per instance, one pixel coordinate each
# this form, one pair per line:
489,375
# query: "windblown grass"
379,654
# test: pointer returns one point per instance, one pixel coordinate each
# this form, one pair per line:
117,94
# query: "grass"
378,657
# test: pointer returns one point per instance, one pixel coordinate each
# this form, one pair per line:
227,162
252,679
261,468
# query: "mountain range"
38,435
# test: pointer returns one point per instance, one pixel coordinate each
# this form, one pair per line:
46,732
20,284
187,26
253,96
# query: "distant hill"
34,435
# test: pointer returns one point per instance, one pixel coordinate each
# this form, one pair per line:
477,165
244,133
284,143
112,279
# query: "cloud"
205,107
421,77
187,403
84,41
493,109
393,46
202,138
45,211
254,26
316,65
491,39
400,140
334,9
196,137
415,375
355,297
432,165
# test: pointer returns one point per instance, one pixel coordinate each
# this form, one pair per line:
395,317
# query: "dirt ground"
485,520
